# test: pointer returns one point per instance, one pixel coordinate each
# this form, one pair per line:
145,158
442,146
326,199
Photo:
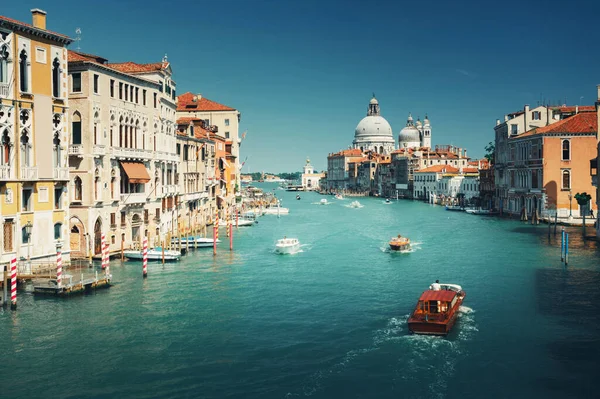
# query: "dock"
49,286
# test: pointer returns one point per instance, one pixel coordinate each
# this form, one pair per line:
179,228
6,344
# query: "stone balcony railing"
76,149
166,156
29,173
6,172
169,189
4,90
61,173
130,153
99,149
133,198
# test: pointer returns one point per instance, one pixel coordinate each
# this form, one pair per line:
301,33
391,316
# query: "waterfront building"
310,179
486,187
196,183
123,165
546,166
34,135
415,135
338,168
226,120
426,181
373,132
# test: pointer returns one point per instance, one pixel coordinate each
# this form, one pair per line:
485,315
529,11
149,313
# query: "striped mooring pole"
13,283
103,263
145,258
59,265
106,258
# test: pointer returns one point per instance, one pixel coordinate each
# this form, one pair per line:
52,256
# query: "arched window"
56,150
121,132
6,146
4,64
78,189
381,149
566,150
24,72
25,148
56,78
76,129
566,179
58,231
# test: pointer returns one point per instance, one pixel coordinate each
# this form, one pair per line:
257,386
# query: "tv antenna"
78,38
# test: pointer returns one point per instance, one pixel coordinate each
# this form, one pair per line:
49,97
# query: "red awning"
441,295
136,172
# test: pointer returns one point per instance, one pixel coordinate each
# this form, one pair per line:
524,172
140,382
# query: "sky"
302,72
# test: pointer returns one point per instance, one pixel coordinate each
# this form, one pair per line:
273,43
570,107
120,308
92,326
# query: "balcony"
169,189
166,156
76,149
61,174
6,172
29,173
133,198
99,150
4,90
130,153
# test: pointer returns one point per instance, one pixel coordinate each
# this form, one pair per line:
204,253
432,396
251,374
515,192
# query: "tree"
490,152
583,199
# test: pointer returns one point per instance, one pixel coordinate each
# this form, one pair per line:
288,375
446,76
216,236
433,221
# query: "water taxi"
437,309
324,201
297,196
339,196
287,245
355,204
154,254
195,242
399,243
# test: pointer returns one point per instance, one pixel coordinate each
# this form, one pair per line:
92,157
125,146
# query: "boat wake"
354,206
413,354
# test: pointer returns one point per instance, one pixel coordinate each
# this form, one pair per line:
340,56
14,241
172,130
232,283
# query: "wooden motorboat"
194,242
399,243
287,245
437,309
154,254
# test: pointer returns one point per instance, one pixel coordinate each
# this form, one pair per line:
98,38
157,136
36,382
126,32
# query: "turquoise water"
328,322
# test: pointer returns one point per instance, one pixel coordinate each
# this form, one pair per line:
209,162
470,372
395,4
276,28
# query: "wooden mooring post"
562,244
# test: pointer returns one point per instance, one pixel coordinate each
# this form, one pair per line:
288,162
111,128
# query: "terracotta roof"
133,67
26,25
185,102
441,295
470,170
585,122
438,169
571,108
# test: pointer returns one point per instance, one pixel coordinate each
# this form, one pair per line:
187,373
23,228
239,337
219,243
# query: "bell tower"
426,142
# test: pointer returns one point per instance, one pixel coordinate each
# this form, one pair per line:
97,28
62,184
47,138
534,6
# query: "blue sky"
302,71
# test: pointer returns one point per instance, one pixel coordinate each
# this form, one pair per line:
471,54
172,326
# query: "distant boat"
455,208
387,201
240,222
339,196
355,204
399,243
276,210
324,201
287,245
298,196
154,254
484,212
194,242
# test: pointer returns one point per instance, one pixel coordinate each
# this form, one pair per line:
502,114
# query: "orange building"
549,165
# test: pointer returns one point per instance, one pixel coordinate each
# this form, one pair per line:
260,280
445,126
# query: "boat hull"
399,247
288,249
195,242
152,255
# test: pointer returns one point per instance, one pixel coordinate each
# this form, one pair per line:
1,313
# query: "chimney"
525,117
576,109
505,118
39,18
465,152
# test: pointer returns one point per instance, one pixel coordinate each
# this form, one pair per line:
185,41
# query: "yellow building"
33,135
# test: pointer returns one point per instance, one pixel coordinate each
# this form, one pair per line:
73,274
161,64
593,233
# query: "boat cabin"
436,305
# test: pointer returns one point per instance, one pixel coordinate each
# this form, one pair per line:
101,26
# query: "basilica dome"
409,136
374,125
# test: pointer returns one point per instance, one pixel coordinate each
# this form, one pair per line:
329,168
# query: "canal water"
327,322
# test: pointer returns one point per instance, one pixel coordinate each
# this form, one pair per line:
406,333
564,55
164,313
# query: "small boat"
481,212
276,210
287,245
437,309
241,222
154,254
455,208
339,196
298,196
194,242
355,204
399,243
387,201
324,201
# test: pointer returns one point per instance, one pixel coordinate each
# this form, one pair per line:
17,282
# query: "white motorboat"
324,201
154,254
287,245
339,196
276,210
240,222
194,242
455,208
355,204
480,212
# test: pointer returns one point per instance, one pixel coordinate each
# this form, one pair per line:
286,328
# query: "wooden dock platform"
50,286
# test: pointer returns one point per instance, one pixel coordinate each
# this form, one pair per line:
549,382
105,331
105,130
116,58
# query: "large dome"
373,125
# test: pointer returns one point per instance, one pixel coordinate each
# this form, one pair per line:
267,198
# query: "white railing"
166,156
168,189
133,198
61,173
99,149
75,149
4,90
191,196
29,173
5,172
130,153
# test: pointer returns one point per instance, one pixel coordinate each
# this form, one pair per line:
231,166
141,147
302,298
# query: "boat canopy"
441,295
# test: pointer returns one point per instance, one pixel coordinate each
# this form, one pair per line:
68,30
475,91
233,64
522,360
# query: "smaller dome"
426,121
419,124
373,101
410,118
409,134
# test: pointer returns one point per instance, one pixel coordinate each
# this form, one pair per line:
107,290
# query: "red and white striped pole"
13,283
59,266
145,258
230,237
103,263
237,214
215,233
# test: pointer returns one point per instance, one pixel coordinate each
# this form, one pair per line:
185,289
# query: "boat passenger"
436,286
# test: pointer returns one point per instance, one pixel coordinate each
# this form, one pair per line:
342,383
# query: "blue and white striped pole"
562,244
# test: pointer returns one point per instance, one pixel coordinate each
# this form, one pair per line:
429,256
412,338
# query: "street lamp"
28,227
570,201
